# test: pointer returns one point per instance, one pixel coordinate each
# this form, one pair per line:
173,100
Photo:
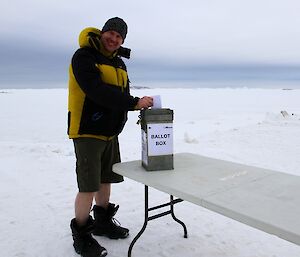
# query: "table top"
265,199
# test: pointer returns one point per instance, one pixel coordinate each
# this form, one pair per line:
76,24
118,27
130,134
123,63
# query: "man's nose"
113,38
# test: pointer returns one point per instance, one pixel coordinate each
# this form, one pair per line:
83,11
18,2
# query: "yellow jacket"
99,96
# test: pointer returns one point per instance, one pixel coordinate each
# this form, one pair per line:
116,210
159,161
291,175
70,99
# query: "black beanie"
116,24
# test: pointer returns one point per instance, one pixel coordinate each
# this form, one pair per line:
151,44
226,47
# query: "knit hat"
116,24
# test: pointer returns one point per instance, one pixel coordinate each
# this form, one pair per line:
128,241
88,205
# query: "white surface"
160,139
156,102
144,147
261,198
38,184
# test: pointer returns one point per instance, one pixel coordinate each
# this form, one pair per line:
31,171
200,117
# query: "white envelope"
156,102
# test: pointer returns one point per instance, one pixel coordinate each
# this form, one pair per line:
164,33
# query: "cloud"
192,33
32,65
245,30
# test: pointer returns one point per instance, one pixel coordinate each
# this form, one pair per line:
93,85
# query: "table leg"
147,218
144,225
175,218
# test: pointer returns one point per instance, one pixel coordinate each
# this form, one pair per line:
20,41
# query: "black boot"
84,244
106,224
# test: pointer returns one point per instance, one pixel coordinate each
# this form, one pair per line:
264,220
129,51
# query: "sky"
169,39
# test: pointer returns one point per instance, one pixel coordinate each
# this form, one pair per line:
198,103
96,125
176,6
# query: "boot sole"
111,237
102,254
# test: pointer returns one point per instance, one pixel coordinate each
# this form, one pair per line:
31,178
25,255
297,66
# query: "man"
99,100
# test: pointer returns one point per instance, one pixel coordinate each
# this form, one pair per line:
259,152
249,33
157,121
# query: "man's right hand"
145,102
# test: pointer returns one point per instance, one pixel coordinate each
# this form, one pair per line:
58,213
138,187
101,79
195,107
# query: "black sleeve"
87,75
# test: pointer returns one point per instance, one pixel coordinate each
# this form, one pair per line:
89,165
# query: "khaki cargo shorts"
94,161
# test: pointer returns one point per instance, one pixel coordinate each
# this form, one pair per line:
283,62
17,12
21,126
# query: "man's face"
111,40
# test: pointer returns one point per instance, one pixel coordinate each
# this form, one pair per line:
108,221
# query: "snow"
38,183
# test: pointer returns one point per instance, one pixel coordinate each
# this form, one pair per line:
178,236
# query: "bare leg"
83,204
103,195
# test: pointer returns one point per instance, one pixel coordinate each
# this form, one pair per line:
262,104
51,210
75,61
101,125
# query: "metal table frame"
171,203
